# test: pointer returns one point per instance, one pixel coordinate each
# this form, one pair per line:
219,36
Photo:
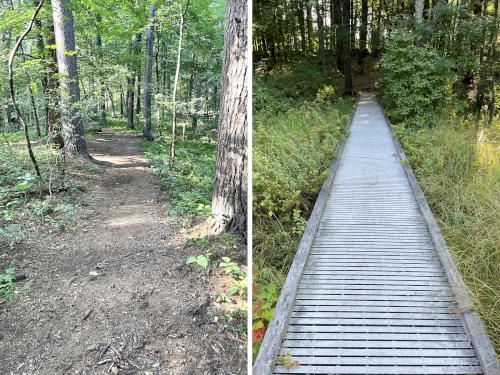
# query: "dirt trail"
111,294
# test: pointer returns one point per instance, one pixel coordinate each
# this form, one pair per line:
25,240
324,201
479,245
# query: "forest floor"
113,294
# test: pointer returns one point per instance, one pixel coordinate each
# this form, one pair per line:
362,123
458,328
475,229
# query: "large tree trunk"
229,201
148,73
73,127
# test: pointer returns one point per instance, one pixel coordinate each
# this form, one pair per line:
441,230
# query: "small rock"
93,273
221,328
93,348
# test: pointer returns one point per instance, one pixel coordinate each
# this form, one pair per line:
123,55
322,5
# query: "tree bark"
148,75
73,127
229,200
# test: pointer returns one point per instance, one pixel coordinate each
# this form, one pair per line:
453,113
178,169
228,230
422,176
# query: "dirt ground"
112,294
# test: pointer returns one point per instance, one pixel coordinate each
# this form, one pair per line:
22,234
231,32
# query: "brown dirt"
143,313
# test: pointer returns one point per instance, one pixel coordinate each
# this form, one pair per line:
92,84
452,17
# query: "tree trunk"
346,48
148,75
102,90
321,34
363,32
130,102
176,81
419,10
310,30
337,22
35,113
73,127
229,200
302,27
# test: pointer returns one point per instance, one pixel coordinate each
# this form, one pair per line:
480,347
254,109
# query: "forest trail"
113,294
371,289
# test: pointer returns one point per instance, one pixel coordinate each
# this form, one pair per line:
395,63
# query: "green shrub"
416,81
189,182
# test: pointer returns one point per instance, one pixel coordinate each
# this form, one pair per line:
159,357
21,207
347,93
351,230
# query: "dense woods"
434,66
123,130
86,65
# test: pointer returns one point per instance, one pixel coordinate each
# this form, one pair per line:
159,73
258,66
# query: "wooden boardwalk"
373,289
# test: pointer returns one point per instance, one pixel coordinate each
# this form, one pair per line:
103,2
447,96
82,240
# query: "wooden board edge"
470,319
269,350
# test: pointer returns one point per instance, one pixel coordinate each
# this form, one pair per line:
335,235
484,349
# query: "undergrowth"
26,200
189,181
298,121
457,164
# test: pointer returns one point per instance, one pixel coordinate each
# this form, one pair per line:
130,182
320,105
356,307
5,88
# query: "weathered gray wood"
396,370
370,292
270,347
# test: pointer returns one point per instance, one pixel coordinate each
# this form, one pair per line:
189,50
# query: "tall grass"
458,167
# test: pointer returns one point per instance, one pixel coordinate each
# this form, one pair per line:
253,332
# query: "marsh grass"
457,164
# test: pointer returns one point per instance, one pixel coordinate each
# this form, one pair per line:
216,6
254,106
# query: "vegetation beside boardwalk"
457,165
298,121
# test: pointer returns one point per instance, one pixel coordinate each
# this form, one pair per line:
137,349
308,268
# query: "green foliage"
298,122
458,167
285,88
416,80
7,282
25,199
201,260
230,267
189,182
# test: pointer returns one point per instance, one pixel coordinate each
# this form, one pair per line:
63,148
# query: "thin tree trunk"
363,32
73,127
102,99
300,17
148,75
35,113
346,34
176,81
12,91
130,102
310,30
337,22
229,200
